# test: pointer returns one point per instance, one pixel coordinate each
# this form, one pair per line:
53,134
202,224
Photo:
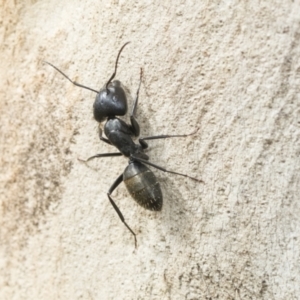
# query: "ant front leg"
135,127
116,208
107,141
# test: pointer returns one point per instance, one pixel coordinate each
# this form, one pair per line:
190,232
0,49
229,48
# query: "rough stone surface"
229,68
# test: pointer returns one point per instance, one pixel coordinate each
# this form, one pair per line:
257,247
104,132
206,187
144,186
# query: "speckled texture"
230,68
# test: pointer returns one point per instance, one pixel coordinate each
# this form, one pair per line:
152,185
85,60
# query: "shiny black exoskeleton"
140,181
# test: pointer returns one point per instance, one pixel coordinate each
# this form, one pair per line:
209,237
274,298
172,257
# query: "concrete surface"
229,68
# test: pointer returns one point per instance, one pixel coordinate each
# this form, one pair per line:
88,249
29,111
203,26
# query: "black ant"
141,183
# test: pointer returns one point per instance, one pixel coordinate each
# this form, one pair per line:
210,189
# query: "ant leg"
146,162
163,136
112,188
135,127
101,155
74,82
102,138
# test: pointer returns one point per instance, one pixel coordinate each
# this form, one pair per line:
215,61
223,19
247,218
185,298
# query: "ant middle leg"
134,158
101,155
163,136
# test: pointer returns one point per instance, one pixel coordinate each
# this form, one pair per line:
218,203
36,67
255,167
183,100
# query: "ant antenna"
116,65
74,82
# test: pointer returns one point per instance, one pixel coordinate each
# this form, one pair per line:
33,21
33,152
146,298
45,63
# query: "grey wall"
229,68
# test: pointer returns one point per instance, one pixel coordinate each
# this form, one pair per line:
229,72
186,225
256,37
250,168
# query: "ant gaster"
140,181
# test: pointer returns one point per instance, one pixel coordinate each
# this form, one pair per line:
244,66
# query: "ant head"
110,101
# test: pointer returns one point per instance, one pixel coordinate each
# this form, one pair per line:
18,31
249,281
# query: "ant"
140,181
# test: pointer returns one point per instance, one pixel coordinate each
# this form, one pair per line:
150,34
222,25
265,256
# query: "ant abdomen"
143,186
